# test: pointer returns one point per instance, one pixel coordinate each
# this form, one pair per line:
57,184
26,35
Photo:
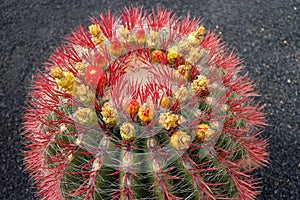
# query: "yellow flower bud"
110,115
165,102
182,71
84,93
80,66
181,94
127,131
125,34
180,140
97,40
197,36
172,56
56,72
168,120
145,113
194,55
184,47
204,132
200,84
86,116
200,32
66,81
153,39
94,30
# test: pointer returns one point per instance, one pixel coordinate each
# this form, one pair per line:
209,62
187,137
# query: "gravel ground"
264,32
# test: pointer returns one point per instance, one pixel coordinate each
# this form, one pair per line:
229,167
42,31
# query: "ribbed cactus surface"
143,105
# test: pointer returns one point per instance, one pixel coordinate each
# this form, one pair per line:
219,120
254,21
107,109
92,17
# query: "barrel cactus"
143,105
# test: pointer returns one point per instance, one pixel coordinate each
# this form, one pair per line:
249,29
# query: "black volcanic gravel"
265,34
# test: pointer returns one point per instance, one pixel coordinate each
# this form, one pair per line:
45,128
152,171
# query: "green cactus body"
143,106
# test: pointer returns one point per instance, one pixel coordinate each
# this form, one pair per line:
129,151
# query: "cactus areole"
143,105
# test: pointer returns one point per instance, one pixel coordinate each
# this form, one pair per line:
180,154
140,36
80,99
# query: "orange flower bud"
157,56
132,106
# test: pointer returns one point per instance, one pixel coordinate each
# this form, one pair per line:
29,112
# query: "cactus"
143,106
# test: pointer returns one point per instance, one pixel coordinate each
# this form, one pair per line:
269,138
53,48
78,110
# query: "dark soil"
265,33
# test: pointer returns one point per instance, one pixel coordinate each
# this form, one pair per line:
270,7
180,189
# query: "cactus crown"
143,106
